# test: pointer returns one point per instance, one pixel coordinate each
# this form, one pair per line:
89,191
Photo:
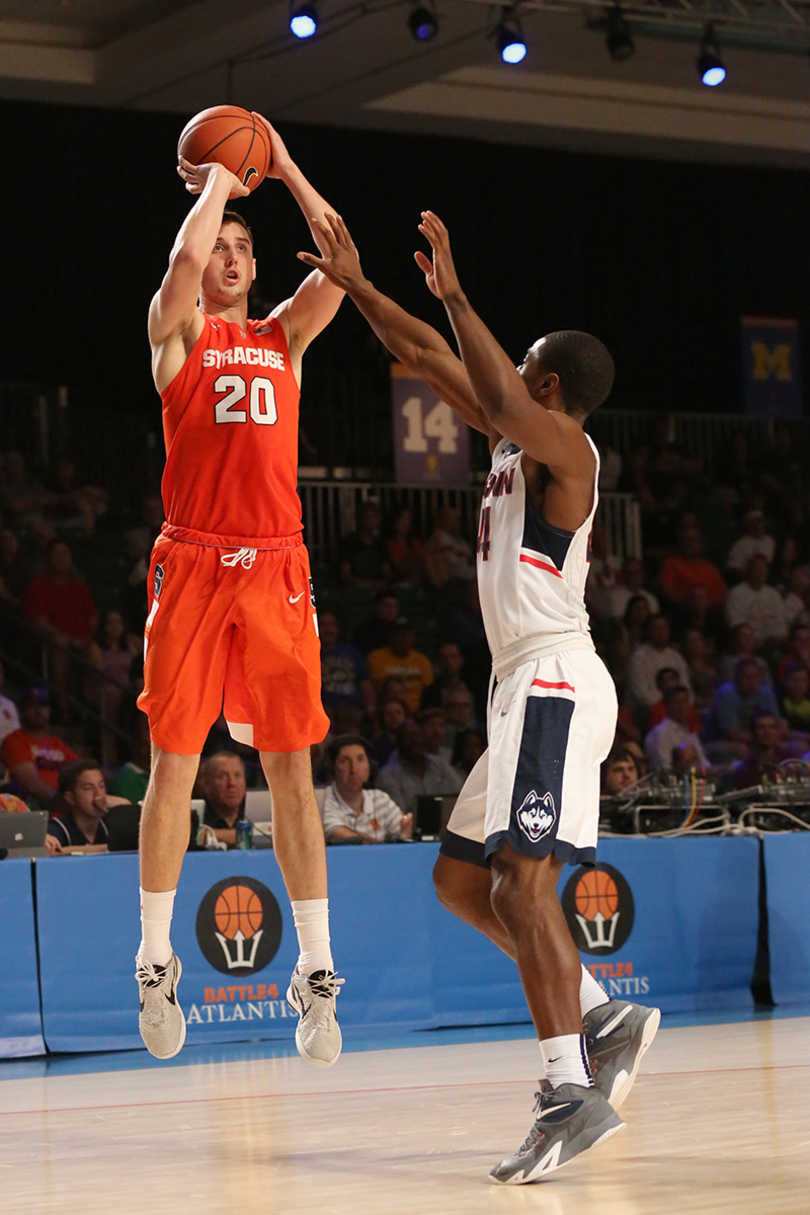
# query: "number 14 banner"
431,445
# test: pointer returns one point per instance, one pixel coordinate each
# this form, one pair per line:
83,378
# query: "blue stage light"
304,20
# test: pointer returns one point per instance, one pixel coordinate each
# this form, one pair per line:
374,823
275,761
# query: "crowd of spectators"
706,633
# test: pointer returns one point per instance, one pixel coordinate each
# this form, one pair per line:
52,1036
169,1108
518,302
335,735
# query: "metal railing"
330,513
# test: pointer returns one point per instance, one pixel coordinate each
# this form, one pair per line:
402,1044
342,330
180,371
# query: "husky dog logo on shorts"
537,815
158,580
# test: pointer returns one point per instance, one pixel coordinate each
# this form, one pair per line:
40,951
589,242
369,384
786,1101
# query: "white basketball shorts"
536,787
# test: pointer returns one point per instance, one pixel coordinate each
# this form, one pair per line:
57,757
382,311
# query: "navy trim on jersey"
461,849
541,537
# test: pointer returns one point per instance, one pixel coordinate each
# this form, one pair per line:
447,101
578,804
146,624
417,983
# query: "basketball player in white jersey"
531,803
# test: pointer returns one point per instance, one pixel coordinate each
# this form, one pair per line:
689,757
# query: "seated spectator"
688,568
631,584
9,717
755,540
352,811
459,712
411,773
60,603
646,661
743,644
404,549
402,661
224,788
77,818
21,495
687,758
131,779
375,632
754,602
728,729
703,674
12,567
449,665
767,752
391,714
71,504
448,556
467,750
798,650
433,732
33,757
111,652
345,681
363,560
672,732
619,771
785,564
796,702
797,598
697,613
667,678
628,636
603,574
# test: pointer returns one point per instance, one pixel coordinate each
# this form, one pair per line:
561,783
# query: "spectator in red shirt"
60,603
34,758
688,568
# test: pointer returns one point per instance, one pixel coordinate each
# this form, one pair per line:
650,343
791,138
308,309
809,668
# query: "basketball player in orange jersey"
531,803
232,613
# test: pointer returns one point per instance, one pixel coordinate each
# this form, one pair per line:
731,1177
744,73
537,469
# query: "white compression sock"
591,995
566,1060
311,918
156,920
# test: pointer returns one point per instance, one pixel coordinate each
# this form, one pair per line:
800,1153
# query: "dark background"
659,260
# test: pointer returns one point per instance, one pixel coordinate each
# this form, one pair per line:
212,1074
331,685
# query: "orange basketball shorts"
234,630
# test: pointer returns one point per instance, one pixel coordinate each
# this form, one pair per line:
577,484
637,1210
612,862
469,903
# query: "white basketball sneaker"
313,997
161,1022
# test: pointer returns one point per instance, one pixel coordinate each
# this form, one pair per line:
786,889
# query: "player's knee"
450,889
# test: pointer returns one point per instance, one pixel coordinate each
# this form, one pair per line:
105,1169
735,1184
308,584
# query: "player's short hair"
233,217
585,368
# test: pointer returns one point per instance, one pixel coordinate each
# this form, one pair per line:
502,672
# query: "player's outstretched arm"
550,437
316,301
422,351
174,307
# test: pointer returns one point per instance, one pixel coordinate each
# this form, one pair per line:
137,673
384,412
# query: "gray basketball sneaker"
317,1035
570,1119
162,1024
617,1036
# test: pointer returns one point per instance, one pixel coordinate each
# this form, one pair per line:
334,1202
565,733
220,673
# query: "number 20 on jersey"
261,400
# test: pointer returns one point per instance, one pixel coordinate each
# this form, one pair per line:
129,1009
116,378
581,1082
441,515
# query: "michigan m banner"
772,370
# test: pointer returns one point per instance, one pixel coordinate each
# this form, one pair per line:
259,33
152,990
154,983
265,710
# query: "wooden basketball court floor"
719,1121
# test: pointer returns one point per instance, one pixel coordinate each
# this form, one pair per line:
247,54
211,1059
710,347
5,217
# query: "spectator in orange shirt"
59,601
689,568
402,661
34,758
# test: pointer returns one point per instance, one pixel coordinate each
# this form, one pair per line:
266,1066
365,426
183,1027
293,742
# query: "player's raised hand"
440,274
339,259
196,177
282,162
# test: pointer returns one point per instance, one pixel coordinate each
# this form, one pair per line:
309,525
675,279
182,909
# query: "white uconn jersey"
531,576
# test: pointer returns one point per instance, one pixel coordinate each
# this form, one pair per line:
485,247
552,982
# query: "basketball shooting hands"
339,260
440,274
197,177
281,162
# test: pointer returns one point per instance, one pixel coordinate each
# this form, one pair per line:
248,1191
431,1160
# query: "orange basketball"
238,907
232,137
596,891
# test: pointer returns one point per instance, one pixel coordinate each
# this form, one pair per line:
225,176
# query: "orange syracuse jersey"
230,424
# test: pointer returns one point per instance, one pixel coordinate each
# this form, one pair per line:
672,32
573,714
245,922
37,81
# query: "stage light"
509,37
619,40
423,23
304,20
710,66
